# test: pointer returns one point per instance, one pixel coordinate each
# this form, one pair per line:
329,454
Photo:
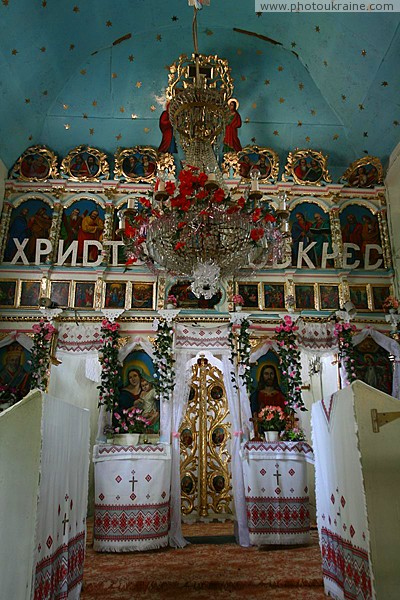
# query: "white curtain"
241,529
173,415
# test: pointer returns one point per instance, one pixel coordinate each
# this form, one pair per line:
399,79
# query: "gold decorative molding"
78,166
307,167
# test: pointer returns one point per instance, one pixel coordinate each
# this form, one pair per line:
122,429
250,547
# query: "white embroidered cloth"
276,491
341,507
132,497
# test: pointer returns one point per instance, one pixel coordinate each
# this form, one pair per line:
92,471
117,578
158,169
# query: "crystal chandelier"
197,229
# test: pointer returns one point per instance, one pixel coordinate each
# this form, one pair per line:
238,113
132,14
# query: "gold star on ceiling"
133,116
118,137
325,63
131,58
84,116
152,108
14,51
45,92
335,137
301,86
83,71
30,138
174,18
27,100
363,53
94,103
293,44
243,77
281,100
44,3
91,131
308,139
76,9
43,49
280,68
67,125
266,82
138,84
259,52
209,32
121,109
395,123
158,37
313,112
71,46
239,51
299,123
317,29
365,134
5,2
254,105
108,24
253,139
344,97
146,129
114,75
65,106
276,132
384,84
247,120
361,106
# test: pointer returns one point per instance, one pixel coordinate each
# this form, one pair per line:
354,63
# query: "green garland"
241,353
110,367
40,354
164,372
289,359
344,333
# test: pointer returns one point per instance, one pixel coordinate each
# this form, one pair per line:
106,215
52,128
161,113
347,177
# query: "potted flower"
238,301
390,304
172,302
271,421
129,423
295,434
8,396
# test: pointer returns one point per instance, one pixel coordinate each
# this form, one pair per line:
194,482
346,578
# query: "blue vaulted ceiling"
331,83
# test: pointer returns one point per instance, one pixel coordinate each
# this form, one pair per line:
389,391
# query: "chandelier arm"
194,31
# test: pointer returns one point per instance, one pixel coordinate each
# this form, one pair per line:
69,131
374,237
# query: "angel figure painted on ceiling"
231,139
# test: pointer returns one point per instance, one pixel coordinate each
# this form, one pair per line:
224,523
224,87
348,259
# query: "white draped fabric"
62,506
341,506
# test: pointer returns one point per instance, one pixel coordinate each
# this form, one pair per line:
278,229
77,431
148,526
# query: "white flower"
155,324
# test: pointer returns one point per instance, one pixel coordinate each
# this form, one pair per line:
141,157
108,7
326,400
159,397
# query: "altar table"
276,491
132,497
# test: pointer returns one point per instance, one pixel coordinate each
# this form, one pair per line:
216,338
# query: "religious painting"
359,296
186,437
83,220
306,167
187,300
218,483
218,435
328,297
37,163
30,220
304,296
15,371
60,293
249,293
136,164
84,294
310,224
266,383
187,484
274,296
137,388
142,296
254,161
29,294
365,172
360,227
216,392
373,365
379,294
85,163
114,294
8,290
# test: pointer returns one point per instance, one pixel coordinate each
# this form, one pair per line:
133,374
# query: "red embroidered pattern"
293,447
116,523
347,565
278,515
111,449
58,574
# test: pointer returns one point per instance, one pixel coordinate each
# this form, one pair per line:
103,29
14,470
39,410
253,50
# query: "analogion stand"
132,497
276,491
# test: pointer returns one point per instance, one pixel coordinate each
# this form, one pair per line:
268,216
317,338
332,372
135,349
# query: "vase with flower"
128,424
271,421
391,304
238,302
172,302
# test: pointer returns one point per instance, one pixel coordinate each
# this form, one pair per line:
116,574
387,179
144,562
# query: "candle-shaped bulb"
254,175
131,202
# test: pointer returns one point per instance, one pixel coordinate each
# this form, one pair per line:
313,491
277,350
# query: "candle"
161,185
212,177
122,223
131,203
282,201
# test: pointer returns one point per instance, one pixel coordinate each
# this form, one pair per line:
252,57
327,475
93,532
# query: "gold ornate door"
206,489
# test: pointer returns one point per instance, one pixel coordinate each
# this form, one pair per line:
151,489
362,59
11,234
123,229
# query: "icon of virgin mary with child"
140,393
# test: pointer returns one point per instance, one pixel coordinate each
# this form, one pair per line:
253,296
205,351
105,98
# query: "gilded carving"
85,163
37,163
384,233
138,164
250,159
307,167
364,172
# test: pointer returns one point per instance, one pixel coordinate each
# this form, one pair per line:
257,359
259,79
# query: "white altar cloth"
132,497
276,491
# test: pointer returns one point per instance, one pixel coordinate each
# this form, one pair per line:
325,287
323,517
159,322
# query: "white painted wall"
392,183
